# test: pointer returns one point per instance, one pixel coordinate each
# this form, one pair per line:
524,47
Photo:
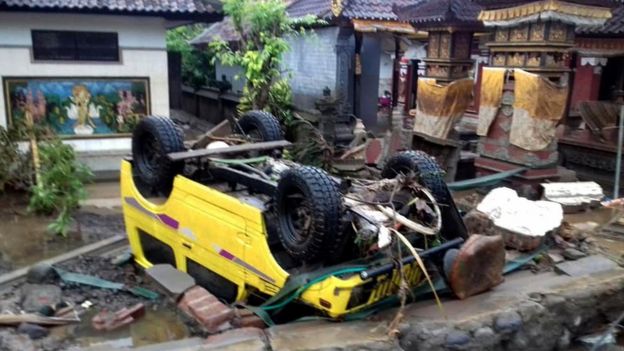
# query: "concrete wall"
312,63
143,54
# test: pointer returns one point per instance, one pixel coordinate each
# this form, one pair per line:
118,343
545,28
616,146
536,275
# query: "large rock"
36,296
478,266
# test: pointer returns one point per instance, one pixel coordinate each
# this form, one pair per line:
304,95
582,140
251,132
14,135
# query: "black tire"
431,176
307,195
153,138
261,126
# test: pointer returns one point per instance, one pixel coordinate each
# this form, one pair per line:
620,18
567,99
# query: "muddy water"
24,238
156,326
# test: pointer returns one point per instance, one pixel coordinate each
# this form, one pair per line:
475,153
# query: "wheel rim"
298,217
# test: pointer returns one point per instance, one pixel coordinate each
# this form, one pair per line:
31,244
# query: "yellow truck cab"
246,224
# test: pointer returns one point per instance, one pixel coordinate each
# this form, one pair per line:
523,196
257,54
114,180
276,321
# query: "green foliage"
61,186
14,164
197,66
262,26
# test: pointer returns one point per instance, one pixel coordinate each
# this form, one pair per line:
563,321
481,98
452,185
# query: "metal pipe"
618,161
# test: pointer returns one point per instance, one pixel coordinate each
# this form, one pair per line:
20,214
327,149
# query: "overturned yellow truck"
255,228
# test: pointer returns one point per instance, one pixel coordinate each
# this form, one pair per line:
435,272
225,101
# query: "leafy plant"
262,26
197,66
61,186
15,164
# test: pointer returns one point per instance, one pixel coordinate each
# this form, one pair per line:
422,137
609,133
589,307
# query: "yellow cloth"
538,107
492,81
439,107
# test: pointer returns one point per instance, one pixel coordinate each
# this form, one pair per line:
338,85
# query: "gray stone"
33,331
484,334
586,266
9,340
322,335
507,322
457,340
597,341
175,282
40,273
573,254
564,340
36,296
243,339
177,345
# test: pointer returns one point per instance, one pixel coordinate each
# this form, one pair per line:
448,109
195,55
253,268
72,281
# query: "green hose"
305,287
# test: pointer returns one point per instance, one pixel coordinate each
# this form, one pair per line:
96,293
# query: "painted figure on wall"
82,110
79,107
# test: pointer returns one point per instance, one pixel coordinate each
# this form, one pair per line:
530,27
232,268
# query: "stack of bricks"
206,309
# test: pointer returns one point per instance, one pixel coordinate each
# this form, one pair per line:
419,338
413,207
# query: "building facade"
88,73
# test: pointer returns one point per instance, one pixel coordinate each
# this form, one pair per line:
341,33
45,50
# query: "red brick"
205,308
245,318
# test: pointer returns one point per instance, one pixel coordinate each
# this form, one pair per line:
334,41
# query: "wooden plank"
236,149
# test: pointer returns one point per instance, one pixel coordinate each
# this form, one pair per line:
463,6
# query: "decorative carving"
502,35
499,60
434,45
507,103
337,7
516,59
437,71
533,60
445,45
558,31
520,33
537,31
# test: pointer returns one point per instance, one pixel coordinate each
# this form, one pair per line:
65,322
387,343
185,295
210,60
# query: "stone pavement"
527,312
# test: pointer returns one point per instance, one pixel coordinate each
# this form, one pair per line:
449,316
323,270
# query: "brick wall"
312,64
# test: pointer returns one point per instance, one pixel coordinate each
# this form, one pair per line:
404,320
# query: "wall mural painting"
79,107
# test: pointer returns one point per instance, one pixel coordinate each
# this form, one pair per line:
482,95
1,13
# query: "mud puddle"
156,326
24,238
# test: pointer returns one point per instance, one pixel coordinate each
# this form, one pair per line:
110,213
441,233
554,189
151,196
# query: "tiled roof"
613,26
352,9
125,6
494,4
373,9
318,8
223,30
440,12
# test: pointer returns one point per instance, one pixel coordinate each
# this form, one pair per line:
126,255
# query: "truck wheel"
310,207
429,175
152,139
261,126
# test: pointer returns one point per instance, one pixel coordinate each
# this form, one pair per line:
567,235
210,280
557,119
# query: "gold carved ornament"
337,7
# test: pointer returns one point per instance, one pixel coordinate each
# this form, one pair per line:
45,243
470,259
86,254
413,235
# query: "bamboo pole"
34,148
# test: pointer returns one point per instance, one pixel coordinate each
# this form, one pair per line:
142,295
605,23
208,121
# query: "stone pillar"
345,52
369,79
587,80
448,55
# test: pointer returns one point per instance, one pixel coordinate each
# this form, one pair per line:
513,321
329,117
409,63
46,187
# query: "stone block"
204,307
174,281
36,296
321,335
586,266
243,339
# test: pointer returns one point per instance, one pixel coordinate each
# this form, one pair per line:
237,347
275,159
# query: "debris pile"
522,223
